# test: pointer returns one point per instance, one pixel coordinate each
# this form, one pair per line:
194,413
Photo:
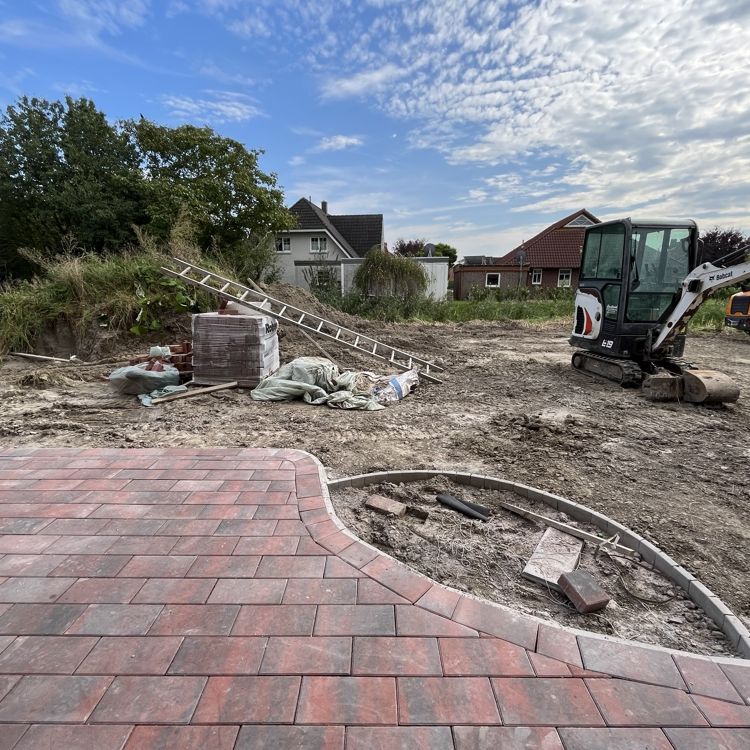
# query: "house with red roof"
551,258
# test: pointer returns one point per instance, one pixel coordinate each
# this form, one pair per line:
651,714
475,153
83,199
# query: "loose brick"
585,593
386,506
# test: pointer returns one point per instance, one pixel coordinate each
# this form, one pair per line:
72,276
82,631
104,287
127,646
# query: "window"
536,276
318,245
563,277
283,245
602,256
492,279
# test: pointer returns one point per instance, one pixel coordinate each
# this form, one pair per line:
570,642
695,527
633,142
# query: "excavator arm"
697,287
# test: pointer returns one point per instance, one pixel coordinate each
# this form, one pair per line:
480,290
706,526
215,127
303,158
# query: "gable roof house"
323,240
551,258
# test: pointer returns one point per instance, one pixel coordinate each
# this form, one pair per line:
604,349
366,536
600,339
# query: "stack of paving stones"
239,347
207,599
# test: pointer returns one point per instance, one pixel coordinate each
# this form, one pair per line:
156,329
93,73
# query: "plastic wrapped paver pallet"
242,347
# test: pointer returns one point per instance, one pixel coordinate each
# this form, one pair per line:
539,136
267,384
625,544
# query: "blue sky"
473,122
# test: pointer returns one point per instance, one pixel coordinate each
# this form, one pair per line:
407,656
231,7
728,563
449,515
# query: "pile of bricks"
181,357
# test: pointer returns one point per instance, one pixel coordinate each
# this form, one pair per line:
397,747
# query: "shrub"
383,274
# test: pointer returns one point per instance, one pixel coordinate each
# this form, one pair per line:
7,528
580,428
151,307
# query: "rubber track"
631,373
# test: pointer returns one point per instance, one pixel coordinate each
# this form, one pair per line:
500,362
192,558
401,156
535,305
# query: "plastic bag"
135,379
396,387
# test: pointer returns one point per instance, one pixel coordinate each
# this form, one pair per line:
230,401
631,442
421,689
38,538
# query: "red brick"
175,591
347,700
5,641
76,526
630,661
82,545
398,578
307,546
396,656
115,619
583,591
101,484
368,619
280,566
483,656
190,527
386,505
10,734
146,655
278,619
412,620
559,644
625,704
314,502
38,654
222,512
39,619
290,528
31,590
163,566
284,545
91,566
244,591
23,525
203,545
237,486
7,683
53,698
399,738
550,701
182,738
262,737
212,498
321,591
314,515
615,739
439,600
306,486
705,678
494,620
24,544
149,700
219,655
102,590
372,592
446,700
225,566
82,737
322,529
305,655
722,714
545,666
248,700
195,619
242,527
709,739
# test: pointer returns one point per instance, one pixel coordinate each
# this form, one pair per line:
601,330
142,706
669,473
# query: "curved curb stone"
732,627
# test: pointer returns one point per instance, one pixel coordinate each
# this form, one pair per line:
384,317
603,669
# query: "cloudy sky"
473,122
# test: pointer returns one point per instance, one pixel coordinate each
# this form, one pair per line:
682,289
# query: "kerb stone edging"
732,627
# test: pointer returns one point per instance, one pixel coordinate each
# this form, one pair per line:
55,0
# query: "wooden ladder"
232,290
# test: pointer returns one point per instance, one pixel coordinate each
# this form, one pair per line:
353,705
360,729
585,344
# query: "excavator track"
623,371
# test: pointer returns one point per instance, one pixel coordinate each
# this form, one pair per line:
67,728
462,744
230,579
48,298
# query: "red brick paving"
205,598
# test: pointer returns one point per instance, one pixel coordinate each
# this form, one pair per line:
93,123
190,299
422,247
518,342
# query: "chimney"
324,207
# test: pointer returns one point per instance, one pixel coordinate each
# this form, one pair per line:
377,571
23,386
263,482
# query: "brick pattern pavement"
206,598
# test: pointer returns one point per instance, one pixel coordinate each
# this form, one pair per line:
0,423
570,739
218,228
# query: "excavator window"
602,256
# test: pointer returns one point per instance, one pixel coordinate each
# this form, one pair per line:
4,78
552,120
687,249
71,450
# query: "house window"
536,276
318,245
492,279
563,277
283,245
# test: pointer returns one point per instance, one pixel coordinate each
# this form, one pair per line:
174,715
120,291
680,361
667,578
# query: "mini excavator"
640,284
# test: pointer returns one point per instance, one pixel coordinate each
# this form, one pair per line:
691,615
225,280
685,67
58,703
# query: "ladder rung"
283,309
320,325
243,296
205,279
224,288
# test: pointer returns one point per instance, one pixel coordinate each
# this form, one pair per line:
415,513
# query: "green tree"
718,243
447,251
409,248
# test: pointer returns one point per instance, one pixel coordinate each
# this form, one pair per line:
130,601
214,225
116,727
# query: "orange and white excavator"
738,310
640,284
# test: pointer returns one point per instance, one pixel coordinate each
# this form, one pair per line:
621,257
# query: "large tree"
409,248
718,243
447,251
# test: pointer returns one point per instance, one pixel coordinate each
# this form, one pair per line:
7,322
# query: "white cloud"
359,84
215,107
111,16
210,69
338,143
296,161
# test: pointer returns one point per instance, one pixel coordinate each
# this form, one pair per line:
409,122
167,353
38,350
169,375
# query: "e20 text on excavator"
639,285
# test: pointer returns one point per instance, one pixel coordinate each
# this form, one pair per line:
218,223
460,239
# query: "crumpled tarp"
147,398
318,381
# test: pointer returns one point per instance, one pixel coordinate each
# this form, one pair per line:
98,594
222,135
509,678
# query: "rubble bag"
136,379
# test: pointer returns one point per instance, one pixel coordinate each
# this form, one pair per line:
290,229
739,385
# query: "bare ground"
510,406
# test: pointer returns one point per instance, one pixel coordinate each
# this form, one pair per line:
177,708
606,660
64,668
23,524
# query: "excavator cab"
630,281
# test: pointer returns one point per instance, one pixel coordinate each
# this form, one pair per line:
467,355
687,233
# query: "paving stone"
175,591
398,578
248,700
115,619
498,622
739,676
439,600
76,526
614,739
281,566
483,656
263,498
344,619
133,527
545,666
337,568
305,655
242,527
202,545
399,738
5,641
709,739
31,590
40,654
396,656
223,512
67,737
246,591
158,566
29,565
552,701
39,619
131,656
335,541
722,714
274,545
278,619
149,700
704,677
24,544
225,566
372,592
446,700
10,734
583,591
347,700
82,545
195,527
7,683
219,655
53,698
279,512
630,661
558,644
415,621
103,590
358,554
508,738
307,546
195,619
91,566
143,545
262,737
321,591
182,738
624,703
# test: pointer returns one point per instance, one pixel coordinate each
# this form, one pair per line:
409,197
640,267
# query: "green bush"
383,274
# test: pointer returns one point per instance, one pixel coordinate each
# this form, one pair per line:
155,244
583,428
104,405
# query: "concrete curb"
732,627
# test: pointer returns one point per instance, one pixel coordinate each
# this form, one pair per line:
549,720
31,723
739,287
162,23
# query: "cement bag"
135,379
396,387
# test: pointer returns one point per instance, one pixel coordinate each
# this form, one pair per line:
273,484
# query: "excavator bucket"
709,387
664,386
